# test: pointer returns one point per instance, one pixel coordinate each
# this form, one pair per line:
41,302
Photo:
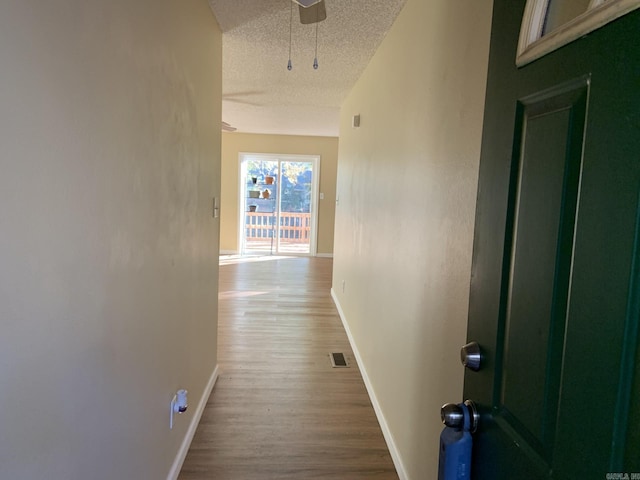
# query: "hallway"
279,410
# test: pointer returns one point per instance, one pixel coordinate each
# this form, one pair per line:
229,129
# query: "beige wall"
235,143
404,224
110,154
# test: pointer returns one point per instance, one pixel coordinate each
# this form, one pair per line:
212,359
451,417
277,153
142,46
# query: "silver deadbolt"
453,415
471,356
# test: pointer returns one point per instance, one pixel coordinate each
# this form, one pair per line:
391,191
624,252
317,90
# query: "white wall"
404,224
110,156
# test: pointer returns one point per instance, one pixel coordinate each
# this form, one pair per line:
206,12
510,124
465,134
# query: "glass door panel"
260,195
296,187
560,12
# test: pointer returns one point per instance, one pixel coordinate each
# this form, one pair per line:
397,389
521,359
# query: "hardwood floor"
278,410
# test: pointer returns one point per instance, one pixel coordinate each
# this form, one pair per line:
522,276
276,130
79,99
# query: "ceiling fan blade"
244,97
313,14
228,128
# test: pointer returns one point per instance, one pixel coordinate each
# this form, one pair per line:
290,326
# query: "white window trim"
315,195
533,44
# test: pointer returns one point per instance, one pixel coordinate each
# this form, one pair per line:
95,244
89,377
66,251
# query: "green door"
555,289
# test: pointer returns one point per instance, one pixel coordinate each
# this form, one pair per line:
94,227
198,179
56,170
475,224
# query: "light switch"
322,196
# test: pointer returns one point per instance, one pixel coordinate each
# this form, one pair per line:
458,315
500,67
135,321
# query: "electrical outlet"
178,405
172,410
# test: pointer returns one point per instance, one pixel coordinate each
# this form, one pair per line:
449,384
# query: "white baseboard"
324,255
388,437
191,431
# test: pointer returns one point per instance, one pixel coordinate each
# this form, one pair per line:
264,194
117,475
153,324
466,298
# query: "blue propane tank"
456,442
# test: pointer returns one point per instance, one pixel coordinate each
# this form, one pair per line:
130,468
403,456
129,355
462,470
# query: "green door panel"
550,130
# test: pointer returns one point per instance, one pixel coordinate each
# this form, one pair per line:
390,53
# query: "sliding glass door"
278,204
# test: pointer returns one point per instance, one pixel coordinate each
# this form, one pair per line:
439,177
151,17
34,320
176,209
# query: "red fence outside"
294,227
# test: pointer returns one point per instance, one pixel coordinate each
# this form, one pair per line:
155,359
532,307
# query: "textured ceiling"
261,96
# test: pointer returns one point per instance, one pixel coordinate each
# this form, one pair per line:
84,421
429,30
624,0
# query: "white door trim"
533,45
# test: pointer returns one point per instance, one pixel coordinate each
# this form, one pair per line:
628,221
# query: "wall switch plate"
216,208
321,196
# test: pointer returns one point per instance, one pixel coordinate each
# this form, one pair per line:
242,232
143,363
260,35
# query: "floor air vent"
338,360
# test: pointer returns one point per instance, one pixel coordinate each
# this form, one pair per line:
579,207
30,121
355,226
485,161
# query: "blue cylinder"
455,448
455,455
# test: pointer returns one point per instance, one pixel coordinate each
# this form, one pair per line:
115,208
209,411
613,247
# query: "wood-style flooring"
278,410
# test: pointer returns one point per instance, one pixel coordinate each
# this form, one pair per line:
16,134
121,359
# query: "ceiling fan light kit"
314,14
307,3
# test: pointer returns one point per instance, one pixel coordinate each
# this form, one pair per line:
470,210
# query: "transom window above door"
550,24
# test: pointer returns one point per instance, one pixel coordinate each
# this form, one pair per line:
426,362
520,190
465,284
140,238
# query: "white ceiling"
261,96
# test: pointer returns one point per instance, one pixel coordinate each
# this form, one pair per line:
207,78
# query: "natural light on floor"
232,259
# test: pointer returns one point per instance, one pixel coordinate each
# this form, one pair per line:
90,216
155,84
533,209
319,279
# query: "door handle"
471,356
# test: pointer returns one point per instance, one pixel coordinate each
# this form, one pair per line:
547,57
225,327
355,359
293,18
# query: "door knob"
462,416
456,441
471,356
452,415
